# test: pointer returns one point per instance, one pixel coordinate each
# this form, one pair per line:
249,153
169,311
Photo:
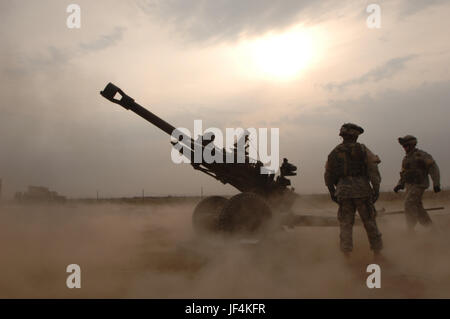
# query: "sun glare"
281,56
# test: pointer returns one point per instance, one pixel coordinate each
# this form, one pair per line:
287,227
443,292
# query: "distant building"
39,194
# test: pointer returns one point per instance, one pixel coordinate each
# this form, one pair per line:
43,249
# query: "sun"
282,56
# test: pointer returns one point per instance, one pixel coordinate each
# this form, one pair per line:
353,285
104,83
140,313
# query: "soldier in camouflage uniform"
350,169
416,167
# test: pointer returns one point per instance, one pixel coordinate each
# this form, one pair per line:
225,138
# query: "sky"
305,67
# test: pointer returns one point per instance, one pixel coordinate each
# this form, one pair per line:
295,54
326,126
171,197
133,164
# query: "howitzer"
260,195
245,176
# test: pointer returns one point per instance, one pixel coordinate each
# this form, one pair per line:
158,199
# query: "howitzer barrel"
109,93
245,177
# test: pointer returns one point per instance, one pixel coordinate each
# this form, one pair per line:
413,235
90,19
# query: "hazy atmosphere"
303,67
136,251
85,183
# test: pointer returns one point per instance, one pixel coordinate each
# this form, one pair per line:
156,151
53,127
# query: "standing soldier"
416,167
349,171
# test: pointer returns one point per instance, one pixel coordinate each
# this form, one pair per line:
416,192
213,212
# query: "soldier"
416,166
350,169
286,169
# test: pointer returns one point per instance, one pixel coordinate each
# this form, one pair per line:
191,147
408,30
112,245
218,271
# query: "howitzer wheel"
244,213
206,214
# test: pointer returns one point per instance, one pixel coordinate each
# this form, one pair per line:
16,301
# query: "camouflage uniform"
349,170
416,166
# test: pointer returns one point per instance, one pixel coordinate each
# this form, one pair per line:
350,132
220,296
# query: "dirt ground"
151,251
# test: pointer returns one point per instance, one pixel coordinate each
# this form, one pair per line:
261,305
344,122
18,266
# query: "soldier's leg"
414,209
367,215
422,215
410,205
346,216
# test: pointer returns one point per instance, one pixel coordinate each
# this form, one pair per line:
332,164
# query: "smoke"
143,251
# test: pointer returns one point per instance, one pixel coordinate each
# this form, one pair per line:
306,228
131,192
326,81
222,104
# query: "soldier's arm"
433,170
372,170
328,176
401,181
330,181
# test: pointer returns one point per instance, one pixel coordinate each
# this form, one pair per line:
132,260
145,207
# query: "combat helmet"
407,140
351,129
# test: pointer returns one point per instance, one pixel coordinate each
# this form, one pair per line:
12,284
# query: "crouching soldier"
353,180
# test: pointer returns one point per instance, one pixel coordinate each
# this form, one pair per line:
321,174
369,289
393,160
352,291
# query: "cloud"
417,109
411,7
57,57
227,20
202,20
104,41
385,71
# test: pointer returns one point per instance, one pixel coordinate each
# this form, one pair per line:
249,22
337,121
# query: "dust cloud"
151,251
